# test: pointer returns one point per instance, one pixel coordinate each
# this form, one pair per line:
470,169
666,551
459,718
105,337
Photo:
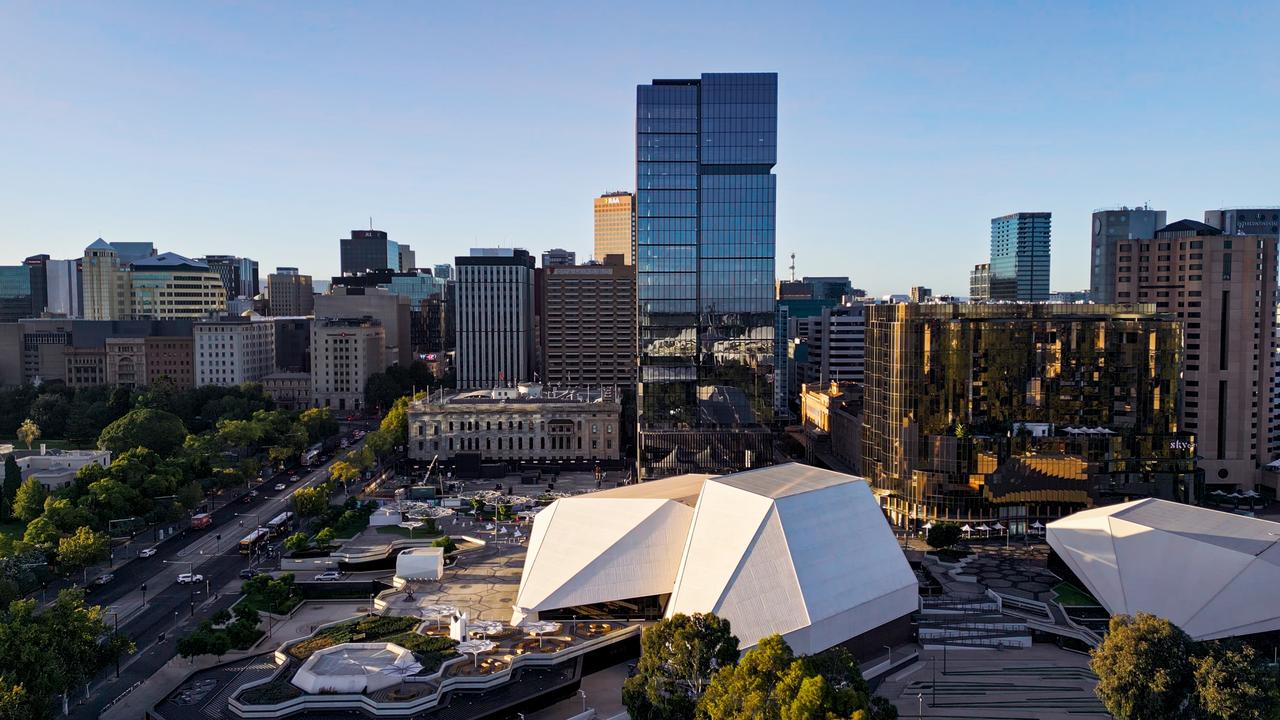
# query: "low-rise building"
172,358
56,469
516,424
289,390
126,360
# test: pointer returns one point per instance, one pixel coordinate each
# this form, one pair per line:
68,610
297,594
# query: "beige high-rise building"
105,283
344,353
290,293
615,225
170,286
1223,288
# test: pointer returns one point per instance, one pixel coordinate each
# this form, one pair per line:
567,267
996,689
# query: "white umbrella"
412,525
1217,492
502,530
475,647
928,526
966,528
485,627
1251,494
997,527
1234,496
983,528
540,628
489,526
517,533
1037,525
438,612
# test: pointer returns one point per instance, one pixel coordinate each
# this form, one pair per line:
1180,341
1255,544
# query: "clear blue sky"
270,130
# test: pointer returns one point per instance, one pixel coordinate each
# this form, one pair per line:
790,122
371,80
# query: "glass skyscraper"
1020,257
705,209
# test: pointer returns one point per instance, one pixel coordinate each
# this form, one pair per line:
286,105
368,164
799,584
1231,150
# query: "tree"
325,537
157,430
380,391
12,481
41,533
28,502
318,423
943,535
82,548
309,502
190,495
50,412
296,542
1144,668
445,542
677,658
770,683
1231,683
28,432
344,472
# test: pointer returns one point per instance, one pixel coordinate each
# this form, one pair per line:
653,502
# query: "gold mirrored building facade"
1014,413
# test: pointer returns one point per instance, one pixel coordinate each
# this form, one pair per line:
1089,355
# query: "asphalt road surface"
169,610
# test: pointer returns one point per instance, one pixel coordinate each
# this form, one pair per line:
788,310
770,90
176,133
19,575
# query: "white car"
186,578
280,486
330,575
147,552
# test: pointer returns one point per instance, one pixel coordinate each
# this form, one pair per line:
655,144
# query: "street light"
583,694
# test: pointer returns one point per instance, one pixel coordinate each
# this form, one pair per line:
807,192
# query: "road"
172,610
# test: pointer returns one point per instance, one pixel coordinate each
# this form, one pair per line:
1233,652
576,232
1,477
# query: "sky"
270,130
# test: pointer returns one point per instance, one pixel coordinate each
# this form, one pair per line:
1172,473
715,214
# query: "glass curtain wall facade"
1020,257
1017,412
705,209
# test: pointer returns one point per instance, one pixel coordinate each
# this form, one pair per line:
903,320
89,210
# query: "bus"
201,521
312,454
280,524
253,542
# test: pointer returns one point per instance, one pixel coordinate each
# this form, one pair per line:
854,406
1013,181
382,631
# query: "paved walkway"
1042,682
170,677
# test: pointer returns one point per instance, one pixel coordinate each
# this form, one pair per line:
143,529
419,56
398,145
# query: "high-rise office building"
705,210
231,351
239,275
131,252
390,310
105,283
368,250
559,257
1110,227
289,294
63,288
836,340
1223,287
171,286
1017,412
588,333
980,282
39,268
494,322
1020,256
443,271
1245,221
408,258
15,293
829,287
615,224
344,352
919,293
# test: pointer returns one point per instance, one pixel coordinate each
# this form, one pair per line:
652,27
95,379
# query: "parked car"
248,573
103,579
186,578
329,575
146,552
280,486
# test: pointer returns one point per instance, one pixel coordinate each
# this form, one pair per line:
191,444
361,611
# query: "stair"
974,623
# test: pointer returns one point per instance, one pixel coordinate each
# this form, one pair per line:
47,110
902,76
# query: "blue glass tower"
705,199
1020,257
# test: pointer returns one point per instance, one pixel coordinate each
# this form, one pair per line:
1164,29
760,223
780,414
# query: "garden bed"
377,628
272,693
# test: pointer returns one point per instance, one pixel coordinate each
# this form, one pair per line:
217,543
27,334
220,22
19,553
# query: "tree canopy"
943,535
677,658
157,430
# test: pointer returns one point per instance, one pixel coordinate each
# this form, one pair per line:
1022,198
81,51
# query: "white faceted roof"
356,667
592,548
794,550
1214,574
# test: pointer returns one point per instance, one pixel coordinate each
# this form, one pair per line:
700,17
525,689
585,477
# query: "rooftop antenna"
793,267
370,222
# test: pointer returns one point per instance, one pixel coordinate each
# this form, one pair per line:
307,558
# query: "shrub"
943,535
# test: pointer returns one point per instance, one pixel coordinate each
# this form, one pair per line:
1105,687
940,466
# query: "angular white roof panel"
789,549
1213,574
794,550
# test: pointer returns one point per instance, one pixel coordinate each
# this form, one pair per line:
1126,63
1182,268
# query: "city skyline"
157,143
